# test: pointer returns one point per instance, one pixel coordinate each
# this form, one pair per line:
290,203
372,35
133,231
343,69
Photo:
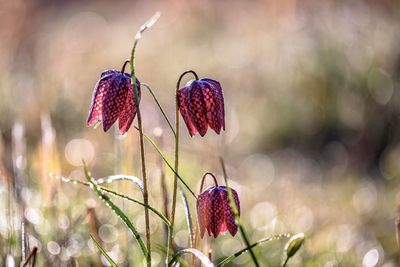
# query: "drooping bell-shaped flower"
113,99
201,104
215,213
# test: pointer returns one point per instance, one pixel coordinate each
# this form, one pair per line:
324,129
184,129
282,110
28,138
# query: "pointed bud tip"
294,244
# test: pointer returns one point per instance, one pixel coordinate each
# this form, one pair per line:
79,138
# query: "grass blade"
159,107
166,162
188,217
121,177
236,214
97,189
108,258
203,258
31,258
242,251
109,191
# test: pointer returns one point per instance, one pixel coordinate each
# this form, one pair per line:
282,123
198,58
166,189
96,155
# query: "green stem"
204,177
236,214
142,155
160,107
286,261
170,235
145,26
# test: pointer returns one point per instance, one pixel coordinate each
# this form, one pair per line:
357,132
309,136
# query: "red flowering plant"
200,102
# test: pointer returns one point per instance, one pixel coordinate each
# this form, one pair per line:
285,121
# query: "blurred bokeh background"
312,140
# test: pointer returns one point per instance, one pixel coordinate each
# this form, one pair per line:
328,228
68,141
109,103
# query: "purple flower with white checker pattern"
113,99
215,213
201,104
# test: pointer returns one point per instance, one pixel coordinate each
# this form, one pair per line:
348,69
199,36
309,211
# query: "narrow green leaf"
242,251
168,164
198,254
109,191
236,214
97,189
159,107
108,258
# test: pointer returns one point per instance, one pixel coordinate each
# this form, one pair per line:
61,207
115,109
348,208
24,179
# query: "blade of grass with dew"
160,107
188,217
242,251
96,188
167,162
236,214
121,177
111,192
106,256
203,258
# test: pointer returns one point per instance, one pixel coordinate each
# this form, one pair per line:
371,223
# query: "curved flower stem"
160,107
123,66
236,214
145,26
183,74
170,235
203,178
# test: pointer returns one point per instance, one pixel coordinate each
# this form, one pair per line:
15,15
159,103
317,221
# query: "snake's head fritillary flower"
113,99
215,213
201,104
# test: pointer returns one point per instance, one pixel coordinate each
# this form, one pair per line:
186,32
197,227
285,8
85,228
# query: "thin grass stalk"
188,216
168,164
171,232
286,261
103,252
159,107
164,192
236,214
31,258
145,26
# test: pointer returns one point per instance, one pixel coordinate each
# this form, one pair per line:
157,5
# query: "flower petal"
217,215
114,101
129,111
183,96
203,211
228,212
96,105
219,99
197,108
213,106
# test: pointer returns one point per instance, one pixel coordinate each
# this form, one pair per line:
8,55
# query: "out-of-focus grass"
312,141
